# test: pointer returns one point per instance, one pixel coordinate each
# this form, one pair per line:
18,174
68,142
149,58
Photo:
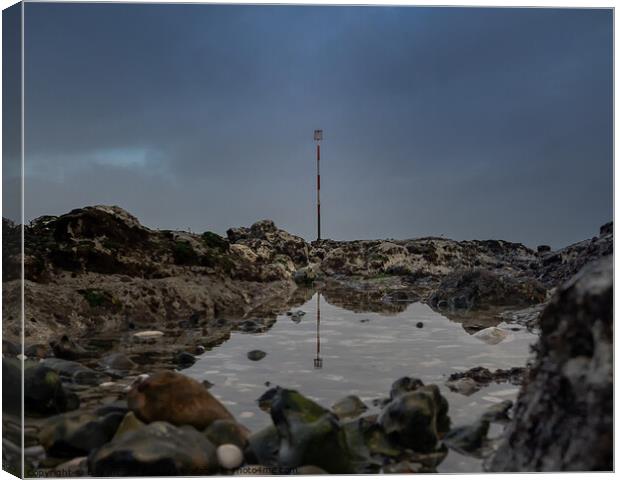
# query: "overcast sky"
468,123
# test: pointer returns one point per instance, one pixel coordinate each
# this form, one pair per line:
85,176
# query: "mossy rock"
98,298
184,253
214,241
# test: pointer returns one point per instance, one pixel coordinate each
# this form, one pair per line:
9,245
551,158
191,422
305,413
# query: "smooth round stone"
148,334
491,335
256,355
229,456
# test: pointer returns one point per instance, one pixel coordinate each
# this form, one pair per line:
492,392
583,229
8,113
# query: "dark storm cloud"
472,123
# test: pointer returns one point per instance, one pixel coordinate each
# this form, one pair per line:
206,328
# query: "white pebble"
246,414
230,456
148,334
491,335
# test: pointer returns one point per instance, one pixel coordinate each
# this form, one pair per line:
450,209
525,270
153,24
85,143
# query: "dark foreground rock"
563,419
154,450
77,433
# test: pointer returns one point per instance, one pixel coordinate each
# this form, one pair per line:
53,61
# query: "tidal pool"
332,352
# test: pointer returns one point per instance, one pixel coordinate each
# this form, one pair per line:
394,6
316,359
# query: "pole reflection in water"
318,361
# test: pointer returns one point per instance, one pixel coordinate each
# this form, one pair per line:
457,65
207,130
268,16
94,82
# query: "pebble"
419,324
256,355
491,335
229,456
148,334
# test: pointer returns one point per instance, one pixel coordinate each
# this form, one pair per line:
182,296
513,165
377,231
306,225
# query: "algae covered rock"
415,418
43,389
349,407
77,433
309,434
154,450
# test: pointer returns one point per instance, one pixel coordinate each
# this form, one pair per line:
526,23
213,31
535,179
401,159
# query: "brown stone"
177,399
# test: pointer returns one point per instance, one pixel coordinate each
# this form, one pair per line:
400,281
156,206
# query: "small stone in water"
230,456
185,359
419,324
256,355
207,384
365,320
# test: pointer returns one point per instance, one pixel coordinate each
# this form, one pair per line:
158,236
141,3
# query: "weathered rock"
128,424
37,350
498,412
349,407
264,446
184,360
414,419
563,419
74,372
543,248
607,229
43,389
118,362
67,349
483,376
77,433
256,355
308,433
557,267
465,386
221,432
76,467
154,450
404,385
306,275
469,439
477,289
174,398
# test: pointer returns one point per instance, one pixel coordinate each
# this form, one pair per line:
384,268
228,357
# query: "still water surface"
332,352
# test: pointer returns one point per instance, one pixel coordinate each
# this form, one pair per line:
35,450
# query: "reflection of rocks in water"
528,317
387,296
472,321
279,305
480,289
474,379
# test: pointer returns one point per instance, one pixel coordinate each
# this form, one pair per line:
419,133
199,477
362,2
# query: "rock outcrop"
563,419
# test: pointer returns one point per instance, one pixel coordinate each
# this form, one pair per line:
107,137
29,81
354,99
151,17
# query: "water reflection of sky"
361,354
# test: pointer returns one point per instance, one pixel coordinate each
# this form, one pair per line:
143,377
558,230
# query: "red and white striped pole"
318,136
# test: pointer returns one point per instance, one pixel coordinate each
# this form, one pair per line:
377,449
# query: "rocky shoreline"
109,300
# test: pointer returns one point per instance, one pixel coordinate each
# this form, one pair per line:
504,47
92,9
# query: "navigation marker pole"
318,136
318,361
